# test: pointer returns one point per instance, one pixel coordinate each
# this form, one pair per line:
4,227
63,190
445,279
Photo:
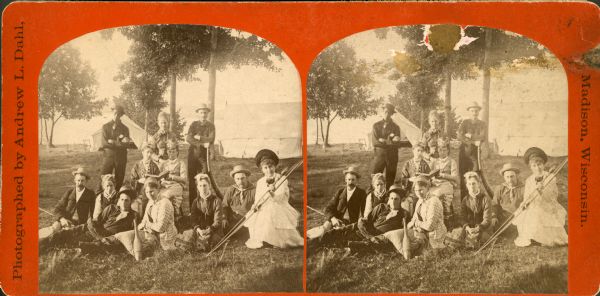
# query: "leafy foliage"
67,89
339,85
422,88
159,51
135,111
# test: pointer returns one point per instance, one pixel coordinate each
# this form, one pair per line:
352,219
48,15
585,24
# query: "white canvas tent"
248,128
137,134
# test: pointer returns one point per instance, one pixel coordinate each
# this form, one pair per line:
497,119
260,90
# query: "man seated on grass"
508,196
383,218
348,203
113,219
76,205
427,224
238,198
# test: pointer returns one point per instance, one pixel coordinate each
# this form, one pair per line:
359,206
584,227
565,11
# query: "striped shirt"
429,216
160,218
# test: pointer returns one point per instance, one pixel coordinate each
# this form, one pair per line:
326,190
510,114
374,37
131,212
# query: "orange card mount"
31,31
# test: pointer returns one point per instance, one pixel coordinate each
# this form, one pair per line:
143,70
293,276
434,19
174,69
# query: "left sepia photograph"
170,161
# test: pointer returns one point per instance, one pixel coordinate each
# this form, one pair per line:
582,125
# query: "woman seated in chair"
413,167
175,181
445,180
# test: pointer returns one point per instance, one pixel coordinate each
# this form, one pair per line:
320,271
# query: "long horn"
316,211
46,211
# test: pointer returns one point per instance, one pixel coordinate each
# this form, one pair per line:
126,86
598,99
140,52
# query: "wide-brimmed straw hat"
473,105
509,167
352,170
80,171
203,106
239,169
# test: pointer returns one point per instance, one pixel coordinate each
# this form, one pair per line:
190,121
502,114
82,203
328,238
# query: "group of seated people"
421,203
152,202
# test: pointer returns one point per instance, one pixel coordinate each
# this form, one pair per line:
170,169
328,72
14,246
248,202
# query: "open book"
159,176
432,174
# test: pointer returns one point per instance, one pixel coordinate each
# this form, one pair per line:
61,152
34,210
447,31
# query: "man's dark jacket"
339,203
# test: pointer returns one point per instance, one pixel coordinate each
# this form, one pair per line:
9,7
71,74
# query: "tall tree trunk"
422,119
212,80
212,73
448,104
41,132
172,103
322,133
46,130
326,141
50,144
317,124
146,123
485,116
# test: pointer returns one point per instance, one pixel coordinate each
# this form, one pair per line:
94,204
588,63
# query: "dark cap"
119,109
389,107
266,154
398,189
535,151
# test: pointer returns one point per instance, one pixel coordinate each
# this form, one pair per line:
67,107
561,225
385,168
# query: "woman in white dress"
544,218
275,219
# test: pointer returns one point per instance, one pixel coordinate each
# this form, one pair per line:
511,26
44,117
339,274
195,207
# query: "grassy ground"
237,269
503,269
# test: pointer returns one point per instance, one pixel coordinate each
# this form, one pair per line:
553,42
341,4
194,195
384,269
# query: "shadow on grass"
277,279
546,279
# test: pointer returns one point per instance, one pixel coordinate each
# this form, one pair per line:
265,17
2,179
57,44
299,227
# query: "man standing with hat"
348,203
508,196
239,197
471,132
386,140
115,141
77,204
200,136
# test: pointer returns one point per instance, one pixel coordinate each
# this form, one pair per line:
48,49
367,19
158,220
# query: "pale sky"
234,86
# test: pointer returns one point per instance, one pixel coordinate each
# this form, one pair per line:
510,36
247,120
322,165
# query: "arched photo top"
174,68
520,85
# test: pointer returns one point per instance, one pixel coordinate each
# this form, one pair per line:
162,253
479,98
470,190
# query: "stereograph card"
300,148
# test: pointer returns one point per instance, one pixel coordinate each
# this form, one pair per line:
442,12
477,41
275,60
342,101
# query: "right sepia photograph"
437,163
